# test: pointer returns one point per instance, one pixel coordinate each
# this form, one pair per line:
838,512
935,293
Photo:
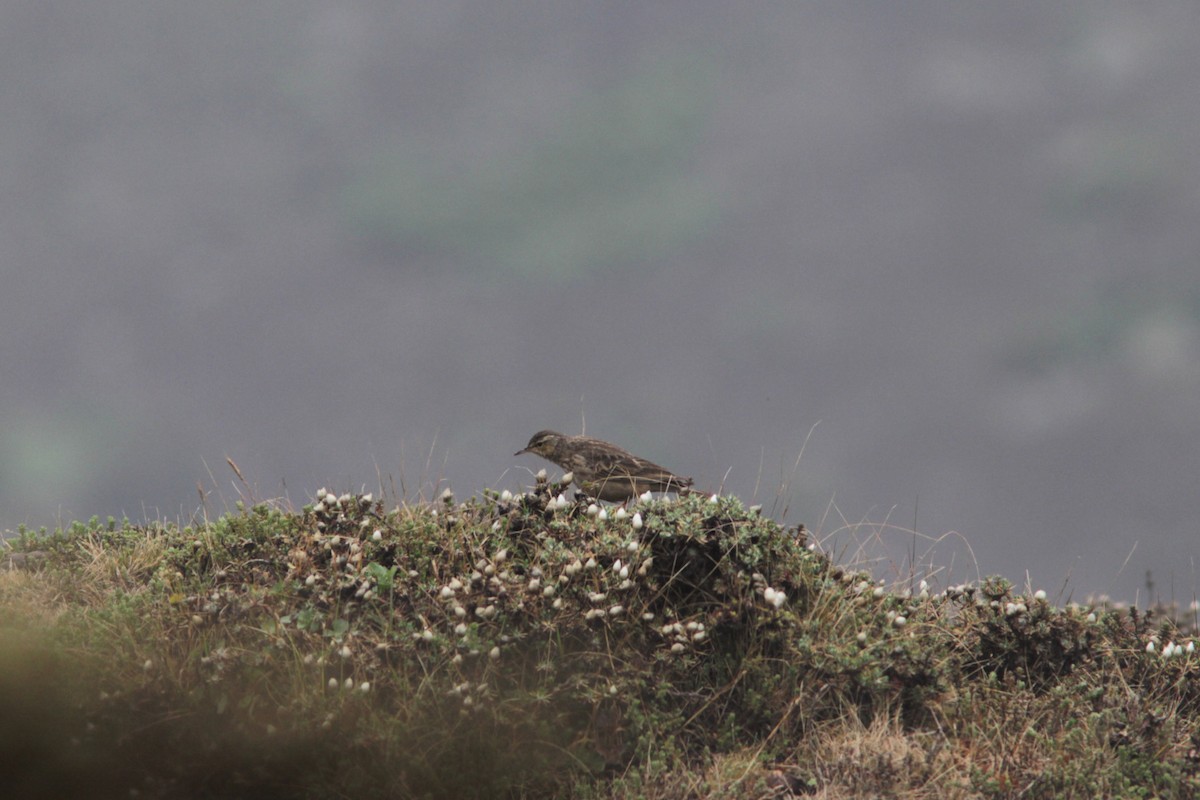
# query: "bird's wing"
610,461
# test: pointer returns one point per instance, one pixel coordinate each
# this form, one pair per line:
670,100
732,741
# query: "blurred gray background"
955,248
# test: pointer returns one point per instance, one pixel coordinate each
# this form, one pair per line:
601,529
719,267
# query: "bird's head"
543,443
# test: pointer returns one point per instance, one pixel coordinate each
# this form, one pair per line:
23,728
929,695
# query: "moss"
505,647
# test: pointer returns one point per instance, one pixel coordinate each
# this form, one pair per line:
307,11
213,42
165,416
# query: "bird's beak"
519,452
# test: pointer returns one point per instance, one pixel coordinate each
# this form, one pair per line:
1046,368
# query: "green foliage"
506,646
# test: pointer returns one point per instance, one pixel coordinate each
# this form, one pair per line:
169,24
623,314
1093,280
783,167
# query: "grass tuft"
516,646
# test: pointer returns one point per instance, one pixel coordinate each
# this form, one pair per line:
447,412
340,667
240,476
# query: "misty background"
883,266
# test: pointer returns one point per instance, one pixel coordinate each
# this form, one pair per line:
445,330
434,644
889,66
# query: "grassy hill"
530,646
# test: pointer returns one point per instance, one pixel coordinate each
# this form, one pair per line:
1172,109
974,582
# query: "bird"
603,470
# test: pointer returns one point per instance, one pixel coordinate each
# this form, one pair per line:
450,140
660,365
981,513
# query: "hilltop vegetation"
534,646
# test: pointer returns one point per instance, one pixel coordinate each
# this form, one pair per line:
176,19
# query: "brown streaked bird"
603,470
